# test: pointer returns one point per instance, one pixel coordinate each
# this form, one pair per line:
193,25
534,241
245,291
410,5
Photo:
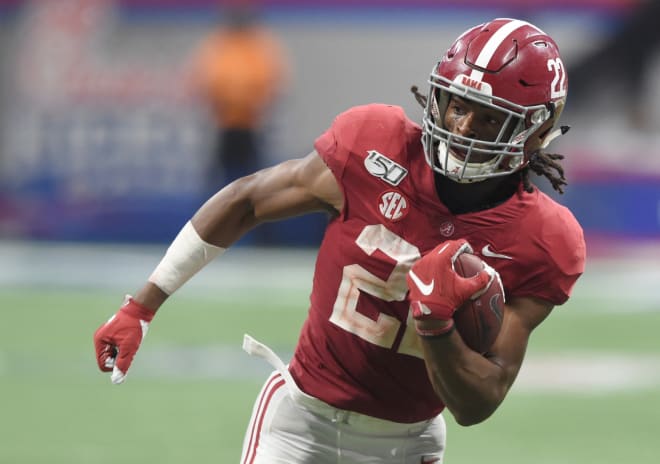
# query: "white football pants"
289,426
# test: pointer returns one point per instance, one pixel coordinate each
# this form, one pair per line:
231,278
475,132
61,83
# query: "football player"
378,360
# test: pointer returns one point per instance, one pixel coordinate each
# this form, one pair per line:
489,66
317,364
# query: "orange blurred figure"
240,70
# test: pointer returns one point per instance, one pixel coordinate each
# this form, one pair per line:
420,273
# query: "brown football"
479,320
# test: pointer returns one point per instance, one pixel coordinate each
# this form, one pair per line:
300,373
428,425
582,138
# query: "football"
479,320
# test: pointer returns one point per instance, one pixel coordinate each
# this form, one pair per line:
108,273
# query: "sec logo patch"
393,205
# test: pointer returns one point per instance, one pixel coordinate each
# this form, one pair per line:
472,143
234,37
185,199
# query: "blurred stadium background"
102,152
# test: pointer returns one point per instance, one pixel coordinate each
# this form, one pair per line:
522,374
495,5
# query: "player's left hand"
436,290
117,341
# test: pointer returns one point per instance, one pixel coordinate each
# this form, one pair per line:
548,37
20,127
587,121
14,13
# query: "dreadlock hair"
541,163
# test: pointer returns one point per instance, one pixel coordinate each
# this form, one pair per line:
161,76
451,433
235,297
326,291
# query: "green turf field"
189,395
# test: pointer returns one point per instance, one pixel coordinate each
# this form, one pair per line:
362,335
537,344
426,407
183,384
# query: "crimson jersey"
358,350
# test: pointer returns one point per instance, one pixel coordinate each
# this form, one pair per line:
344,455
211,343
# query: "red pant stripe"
274,384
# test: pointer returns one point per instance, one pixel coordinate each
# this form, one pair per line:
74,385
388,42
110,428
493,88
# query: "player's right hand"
436,290
117,341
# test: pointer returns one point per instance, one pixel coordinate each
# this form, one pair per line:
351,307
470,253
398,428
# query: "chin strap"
554,134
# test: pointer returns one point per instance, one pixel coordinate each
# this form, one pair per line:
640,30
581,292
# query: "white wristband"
187,254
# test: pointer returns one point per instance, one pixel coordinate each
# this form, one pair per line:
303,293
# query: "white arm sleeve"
187,254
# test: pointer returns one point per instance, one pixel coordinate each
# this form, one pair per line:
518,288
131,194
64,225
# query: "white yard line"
629,279
126,266
557,373
565,373
588,373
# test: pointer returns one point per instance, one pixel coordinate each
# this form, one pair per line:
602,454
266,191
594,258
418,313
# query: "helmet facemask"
465,159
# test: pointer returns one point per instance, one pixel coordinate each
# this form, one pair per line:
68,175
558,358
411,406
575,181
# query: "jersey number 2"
383,329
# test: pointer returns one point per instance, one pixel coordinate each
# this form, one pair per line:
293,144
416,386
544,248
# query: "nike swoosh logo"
487,252
426,289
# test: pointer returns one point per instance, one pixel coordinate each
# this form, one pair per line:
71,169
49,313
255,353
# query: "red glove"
118,340
436,290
